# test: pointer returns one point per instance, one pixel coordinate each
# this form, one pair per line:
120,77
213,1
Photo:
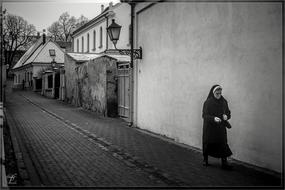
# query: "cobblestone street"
66,146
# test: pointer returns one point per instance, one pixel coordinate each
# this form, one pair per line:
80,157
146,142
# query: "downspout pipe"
1,49
132,62
132,33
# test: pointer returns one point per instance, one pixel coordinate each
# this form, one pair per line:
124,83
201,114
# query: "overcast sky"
42,13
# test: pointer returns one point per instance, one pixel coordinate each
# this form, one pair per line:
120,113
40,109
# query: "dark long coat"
215,134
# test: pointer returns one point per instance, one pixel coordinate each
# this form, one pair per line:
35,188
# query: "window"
82,48
88,42
50,81
101,37
94,40
77,45
52,52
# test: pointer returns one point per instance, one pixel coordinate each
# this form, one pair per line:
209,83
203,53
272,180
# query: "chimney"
111,6
44,36
102,8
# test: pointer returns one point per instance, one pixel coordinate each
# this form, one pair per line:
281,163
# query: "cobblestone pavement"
70,146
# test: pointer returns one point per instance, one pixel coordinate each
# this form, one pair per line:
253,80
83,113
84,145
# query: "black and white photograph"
142,94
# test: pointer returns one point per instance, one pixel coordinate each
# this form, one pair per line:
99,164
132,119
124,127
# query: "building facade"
92,37
189,47
91,42
29,71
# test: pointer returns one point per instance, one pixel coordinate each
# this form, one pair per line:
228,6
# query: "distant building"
30,72
92,37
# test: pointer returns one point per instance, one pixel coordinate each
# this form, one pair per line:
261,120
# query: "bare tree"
17,34
67,24
81,21
55,31
62,29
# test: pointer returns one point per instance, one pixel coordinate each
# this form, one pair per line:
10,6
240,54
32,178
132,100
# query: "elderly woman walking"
216,114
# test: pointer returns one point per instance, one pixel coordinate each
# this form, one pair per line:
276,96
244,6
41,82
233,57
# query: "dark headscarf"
211,93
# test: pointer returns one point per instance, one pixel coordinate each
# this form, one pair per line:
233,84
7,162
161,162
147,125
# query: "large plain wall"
187,48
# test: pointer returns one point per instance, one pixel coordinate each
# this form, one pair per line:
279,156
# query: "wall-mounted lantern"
113,31
52,55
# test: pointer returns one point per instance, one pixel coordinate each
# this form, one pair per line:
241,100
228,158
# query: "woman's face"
218,93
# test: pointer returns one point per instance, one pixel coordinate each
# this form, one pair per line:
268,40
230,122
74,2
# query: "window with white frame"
101,37
94,40
82,44
77,45
88,42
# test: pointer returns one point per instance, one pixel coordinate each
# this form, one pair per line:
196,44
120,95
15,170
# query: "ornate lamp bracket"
137,53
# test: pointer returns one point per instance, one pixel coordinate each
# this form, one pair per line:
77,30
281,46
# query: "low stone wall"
92,85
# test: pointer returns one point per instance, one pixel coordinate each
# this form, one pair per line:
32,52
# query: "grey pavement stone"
81,147
64,157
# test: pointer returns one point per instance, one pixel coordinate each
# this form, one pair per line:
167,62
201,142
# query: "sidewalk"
169,163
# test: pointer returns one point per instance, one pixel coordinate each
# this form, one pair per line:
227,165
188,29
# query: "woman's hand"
225,117
217,120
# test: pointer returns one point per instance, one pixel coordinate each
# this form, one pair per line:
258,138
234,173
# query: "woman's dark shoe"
205,163
225,164
205,160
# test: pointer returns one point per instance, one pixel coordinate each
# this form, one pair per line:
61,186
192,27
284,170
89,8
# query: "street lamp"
113,31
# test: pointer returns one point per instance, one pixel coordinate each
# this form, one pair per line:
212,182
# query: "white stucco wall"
18,77
187,48
38,69
89,30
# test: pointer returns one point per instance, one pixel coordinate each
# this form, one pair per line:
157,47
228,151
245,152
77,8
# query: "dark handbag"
228,125
226,122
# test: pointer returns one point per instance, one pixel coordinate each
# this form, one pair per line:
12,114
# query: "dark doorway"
56,85
39,84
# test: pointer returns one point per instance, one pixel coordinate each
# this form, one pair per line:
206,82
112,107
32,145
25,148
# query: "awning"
83,57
